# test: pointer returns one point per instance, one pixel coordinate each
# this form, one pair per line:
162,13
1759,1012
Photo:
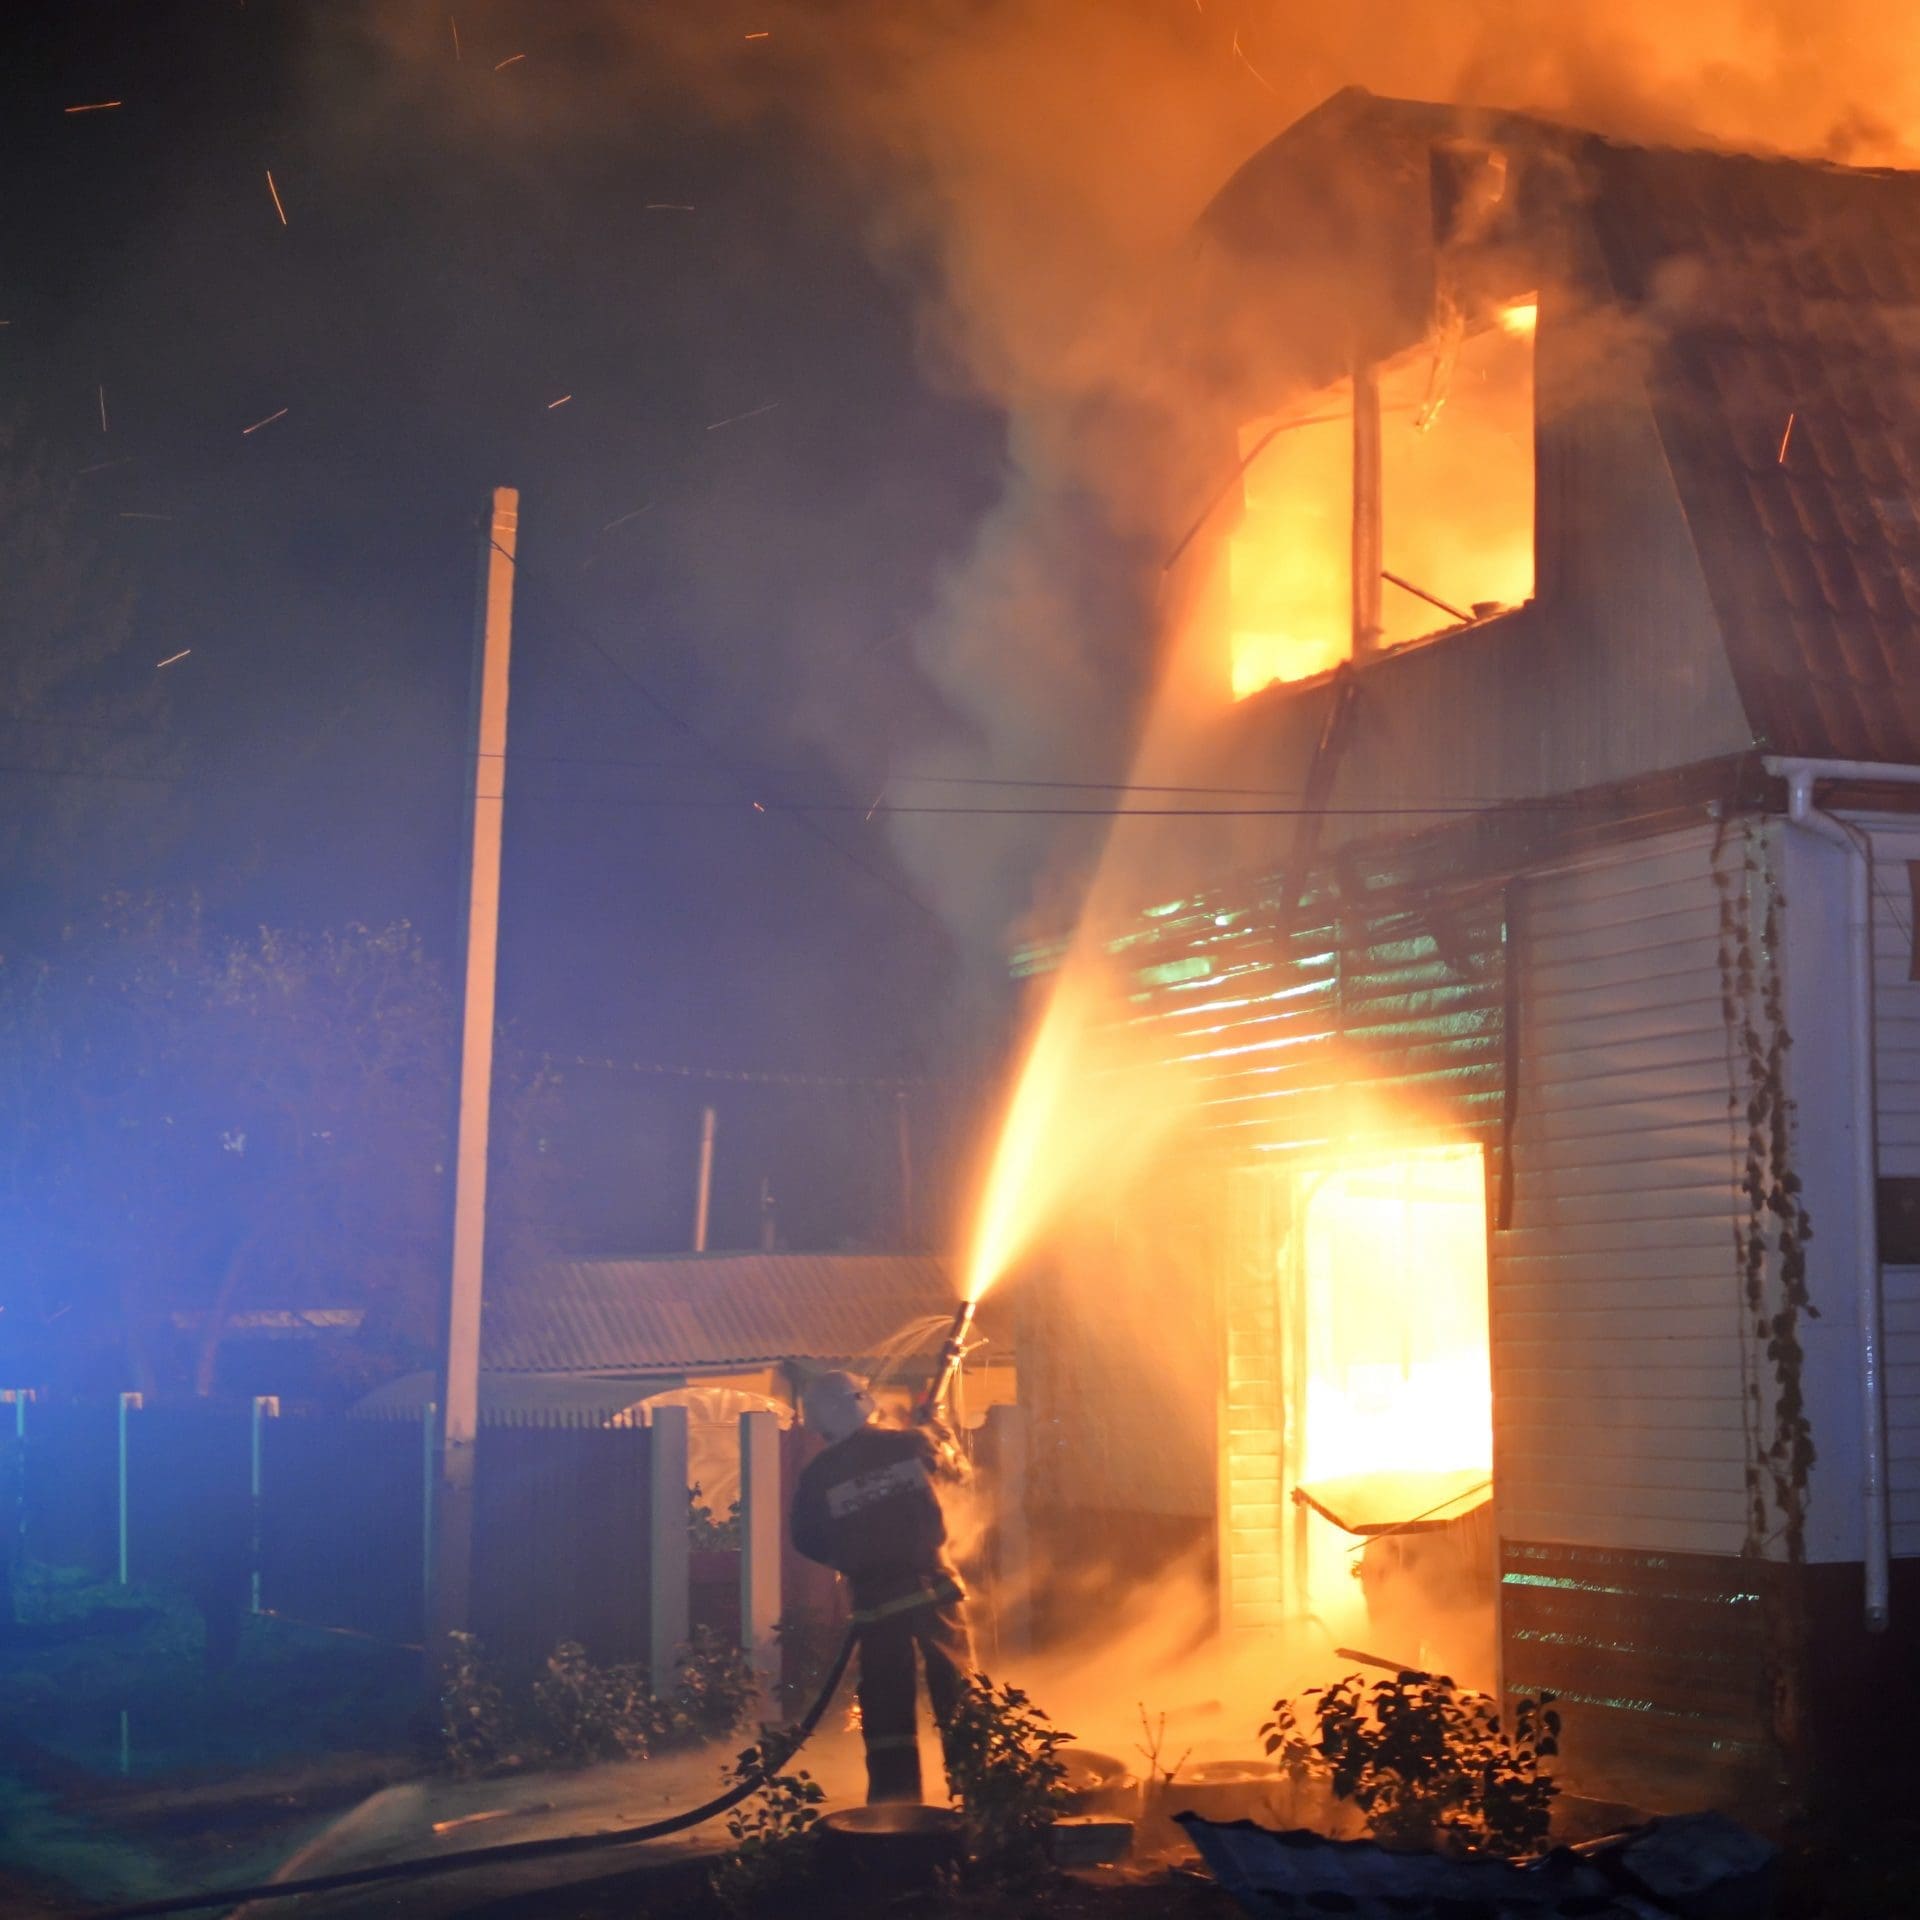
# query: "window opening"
1387,506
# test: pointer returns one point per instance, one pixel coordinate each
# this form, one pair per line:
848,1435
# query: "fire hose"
926,1414
556,1847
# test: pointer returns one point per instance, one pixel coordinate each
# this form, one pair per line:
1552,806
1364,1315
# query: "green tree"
194,1124
329,1101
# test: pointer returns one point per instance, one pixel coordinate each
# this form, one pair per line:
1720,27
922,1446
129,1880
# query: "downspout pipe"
1800,776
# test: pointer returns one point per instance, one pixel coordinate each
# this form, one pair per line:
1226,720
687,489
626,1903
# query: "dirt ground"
301,1747
131,1766
1094,1895
1867,1868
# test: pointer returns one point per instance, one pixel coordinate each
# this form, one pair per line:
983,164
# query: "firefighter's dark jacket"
867,1508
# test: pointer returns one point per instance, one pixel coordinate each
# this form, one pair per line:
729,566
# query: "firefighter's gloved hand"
950,1462
949,1458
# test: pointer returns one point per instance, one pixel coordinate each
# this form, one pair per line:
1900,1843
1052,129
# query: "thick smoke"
1035,166
1031,170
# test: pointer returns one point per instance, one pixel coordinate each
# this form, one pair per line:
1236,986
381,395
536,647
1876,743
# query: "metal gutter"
1800,776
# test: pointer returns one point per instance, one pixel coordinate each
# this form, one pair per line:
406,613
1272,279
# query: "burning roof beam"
1432,599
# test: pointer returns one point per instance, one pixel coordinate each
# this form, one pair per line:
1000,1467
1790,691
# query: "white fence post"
266,1406
18,1397
669,1566
130,1403
429,1492
760,1535
1013,1557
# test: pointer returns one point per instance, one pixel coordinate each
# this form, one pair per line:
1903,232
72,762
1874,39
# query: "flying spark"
171,658
1240,55
93,106
102,393
625,517
508,61
561,402
764,34
455,25
267,422
666,206
734,419
1780,459
275,191
758,808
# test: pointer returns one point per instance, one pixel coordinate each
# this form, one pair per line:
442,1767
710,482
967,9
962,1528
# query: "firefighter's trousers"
930,1620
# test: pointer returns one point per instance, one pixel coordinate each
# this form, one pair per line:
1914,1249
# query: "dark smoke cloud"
1031,169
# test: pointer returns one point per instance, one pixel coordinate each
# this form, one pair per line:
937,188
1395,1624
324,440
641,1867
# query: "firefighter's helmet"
836,1405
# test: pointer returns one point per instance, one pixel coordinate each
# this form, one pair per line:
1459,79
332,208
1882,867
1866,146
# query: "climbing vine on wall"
1772,1229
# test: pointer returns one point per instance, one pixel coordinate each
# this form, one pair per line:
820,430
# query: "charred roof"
1771,308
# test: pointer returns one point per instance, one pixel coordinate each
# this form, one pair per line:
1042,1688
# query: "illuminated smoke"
1034,168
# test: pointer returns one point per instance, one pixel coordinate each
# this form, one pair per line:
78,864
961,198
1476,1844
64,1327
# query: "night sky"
703,607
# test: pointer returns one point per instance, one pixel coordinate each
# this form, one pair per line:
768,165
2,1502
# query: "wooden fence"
580,1532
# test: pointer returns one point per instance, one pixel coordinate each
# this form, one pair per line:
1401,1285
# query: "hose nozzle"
952,1350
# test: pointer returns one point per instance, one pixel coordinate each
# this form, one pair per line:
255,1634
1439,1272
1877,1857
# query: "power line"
748,772
725,761
521,757
798,810
740,1075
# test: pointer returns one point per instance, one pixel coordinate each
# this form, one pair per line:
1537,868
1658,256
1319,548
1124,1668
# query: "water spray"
952,1351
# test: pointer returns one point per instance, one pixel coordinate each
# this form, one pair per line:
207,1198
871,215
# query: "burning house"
1498,1124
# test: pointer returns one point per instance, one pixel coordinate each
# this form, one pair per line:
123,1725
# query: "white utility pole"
460,1397
703,1179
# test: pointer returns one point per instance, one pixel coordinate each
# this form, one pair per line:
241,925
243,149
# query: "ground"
1862,1865
128,1769
1146,1896
305,1754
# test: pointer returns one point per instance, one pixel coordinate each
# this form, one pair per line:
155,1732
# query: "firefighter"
869,1507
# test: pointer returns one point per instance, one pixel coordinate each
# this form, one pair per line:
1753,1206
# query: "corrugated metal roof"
717,1309
1785,290
522,1399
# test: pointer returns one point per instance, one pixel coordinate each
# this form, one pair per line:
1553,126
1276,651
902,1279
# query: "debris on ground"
1700,1866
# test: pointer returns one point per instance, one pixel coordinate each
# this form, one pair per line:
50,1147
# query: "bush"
573,1713
771,1858
1004,1769
1426,1762
706,1532
715,1688
473,1731
580,1713
809,1645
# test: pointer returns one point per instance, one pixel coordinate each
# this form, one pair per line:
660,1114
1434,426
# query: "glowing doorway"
1390,1403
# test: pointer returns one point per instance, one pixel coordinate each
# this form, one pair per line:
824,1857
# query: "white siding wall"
1897,1066
1253,1510
1618,1376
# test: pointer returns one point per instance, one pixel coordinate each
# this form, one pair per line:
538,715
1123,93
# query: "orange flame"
1456,499
1395,1279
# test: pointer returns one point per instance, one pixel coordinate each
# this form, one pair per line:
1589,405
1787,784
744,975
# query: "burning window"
1437,528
